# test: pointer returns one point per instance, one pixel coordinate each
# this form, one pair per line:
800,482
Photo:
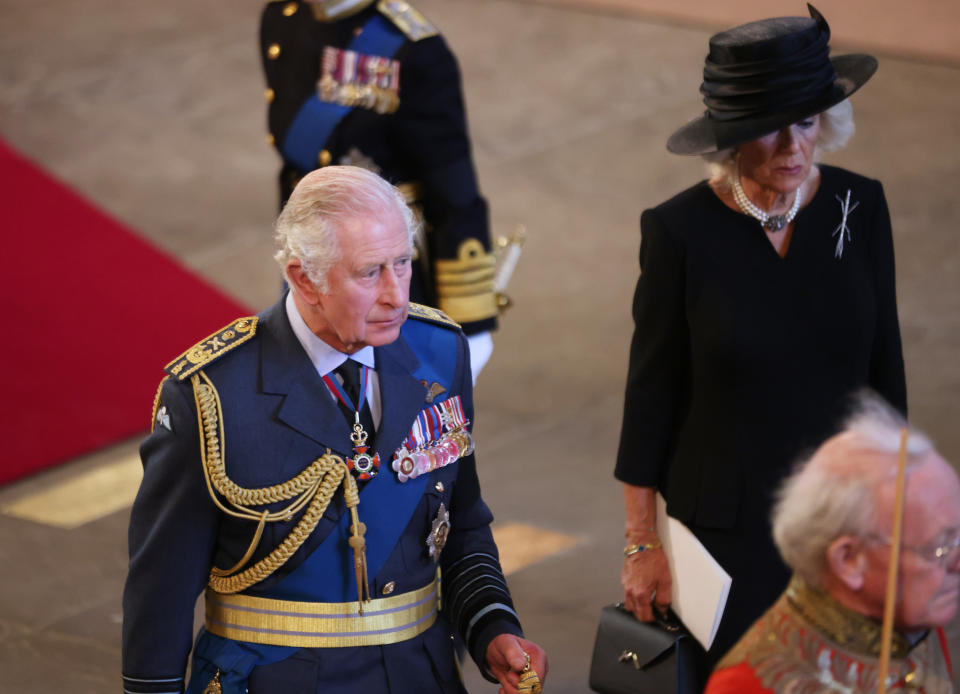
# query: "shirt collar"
324,357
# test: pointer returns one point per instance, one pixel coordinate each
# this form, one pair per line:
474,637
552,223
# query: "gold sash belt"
322,624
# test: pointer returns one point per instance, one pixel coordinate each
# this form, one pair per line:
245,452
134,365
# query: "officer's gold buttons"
273,51
438,486
389,588
270,139
358,31
268,95
324,158
289,9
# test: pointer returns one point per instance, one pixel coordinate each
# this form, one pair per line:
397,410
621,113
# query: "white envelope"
700,585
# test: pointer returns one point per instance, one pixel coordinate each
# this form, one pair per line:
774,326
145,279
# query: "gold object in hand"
529,679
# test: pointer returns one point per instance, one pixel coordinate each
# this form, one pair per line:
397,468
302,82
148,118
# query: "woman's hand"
645,576
646,581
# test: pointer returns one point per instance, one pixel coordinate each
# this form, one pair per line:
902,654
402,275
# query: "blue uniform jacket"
278,416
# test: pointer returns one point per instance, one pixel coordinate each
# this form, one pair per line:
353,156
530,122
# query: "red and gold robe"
807,642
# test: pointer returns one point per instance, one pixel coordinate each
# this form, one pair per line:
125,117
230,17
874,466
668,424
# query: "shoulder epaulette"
330,10
213,347
407,19
431,315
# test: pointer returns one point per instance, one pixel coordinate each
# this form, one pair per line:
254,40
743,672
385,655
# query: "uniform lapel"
287,370
402,396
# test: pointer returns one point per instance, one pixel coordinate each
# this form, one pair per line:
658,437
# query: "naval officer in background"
372,83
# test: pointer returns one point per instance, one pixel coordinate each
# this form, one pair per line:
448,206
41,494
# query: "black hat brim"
705,134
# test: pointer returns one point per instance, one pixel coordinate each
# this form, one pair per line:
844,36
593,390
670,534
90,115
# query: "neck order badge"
362,464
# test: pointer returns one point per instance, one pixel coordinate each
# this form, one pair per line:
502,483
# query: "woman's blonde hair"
836,129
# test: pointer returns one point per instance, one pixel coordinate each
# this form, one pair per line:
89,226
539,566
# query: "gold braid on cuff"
465,283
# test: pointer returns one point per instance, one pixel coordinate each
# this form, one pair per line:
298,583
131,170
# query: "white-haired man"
312,469
832,524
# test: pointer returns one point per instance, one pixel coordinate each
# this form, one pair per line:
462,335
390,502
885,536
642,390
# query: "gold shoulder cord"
314,487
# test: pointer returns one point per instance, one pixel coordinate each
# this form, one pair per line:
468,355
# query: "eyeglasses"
941,550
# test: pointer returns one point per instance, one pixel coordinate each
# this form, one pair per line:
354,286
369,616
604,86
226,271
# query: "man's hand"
506,661
646,579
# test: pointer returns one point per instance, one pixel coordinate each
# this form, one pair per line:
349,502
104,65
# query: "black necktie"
349,371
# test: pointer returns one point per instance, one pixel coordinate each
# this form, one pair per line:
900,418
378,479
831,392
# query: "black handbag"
634,657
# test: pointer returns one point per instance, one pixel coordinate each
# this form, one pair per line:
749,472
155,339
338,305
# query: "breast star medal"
439,532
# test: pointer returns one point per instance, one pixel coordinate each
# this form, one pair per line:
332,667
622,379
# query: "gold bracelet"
630,550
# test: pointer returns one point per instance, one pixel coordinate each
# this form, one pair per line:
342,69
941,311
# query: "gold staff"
886,633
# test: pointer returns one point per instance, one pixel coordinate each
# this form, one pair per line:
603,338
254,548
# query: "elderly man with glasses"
832,525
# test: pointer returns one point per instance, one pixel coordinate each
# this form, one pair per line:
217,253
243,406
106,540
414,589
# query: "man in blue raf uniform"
311,468
371,83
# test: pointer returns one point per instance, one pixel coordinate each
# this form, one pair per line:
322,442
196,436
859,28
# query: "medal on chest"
361,464
437,438
439,530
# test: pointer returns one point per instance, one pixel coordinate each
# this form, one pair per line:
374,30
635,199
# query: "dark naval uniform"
247,435
373,84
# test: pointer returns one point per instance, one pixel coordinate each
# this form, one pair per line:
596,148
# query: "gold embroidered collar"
854,631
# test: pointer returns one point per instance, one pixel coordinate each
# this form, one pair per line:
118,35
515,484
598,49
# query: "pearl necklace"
774,222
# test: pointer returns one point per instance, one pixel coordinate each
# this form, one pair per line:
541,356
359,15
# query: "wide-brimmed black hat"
763,76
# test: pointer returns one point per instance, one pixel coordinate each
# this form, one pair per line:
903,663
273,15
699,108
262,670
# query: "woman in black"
766,297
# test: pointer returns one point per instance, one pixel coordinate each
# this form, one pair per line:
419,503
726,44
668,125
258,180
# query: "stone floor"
155,111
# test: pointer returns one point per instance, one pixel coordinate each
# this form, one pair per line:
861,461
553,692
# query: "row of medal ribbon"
448,449
354,79
437,438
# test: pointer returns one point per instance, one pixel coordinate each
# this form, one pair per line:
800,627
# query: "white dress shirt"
325,358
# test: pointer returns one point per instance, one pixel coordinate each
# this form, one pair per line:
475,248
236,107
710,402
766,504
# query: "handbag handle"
664,619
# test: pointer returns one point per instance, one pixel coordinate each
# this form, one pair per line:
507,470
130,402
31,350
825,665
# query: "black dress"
743,360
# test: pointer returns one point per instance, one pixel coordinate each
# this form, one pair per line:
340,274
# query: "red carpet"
93,314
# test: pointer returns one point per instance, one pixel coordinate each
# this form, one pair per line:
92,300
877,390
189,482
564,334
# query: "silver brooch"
842,232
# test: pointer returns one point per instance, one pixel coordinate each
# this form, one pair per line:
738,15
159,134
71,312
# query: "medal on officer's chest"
361,464
439,531
438,437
